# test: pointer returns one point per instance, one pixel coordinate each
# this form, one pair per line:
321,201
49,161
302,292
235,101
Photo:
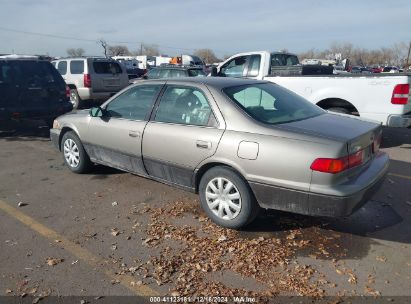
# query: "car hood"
338,127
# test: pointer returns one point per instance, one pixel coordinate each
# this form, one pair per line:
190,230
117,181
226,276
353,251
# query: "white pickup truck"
380,97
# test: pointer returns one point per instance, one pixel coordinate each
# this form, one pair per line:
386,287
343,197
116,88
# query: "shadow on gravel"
387,216
24,130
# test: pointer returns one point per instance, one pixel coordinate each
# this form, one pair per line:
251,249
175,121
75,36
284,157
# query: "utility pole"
141,48
408,56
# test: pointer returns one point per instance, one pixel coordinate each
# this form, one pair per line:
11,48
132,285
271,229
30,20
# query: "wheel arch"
199,173
337,103
63,131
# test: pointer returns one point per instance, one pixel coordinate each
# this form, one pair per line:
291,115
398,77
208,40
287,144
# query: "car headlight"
56,124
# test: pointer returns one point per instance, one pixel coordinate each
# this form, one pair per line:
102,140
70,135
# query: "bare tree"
72,52
148,50
104,45
207,55
117,50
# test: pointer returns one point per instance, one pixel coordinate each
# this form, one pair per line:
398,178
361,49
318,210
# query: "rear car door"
182,132
42,90
107,76
115,138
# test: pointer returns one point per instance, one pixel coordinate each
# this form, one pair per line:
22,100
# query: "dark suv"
170,71
32,88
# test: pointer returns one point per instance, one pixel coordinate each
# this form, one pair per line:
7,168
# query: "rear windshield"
106,67
196,73
30,73
283,59
272,104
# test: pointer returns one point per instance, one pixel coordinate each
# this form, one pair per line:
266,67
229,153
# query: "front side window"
62,67
272,104
77,66
184,105
234,67
133,104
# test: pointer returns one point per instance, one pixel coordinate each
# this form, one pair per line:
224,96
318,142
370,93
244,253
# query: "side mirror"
96,112
214,72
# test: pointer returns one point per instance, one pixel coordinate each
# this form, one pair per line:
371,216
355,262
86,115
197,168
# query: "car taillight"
337,165
67,92
400,94
87,81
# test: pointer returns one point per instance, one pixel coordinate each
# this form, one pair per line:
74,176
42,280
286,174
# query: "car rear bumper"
399,121
317,204
54,137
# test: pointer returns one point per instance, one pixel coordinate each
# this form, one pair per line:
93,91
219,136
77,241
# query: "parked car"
31,88
91,78
356,69
173,71
390,69
241,144
376,69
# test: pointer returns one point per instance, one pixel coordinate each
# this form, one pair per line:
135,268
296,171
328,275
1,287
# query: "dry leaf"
381,258
9,291
53,261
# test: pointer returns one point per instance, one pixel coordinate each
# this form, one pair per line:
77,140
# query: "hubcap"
71,153
73,98
223,198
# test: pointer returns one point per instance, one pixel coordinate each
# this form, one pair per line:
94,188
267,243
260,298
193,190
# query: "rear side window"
106,67
62,67
77,67
254,65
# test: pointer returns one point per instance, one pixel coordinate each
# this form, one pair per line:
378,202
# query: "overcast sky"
182,26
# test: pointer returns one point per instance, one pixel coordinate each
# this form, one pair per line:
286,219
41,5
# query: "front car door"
184,130
115,138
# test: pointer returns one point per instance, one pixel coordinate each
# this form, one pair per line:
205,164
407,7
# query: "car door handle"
134,133
203,144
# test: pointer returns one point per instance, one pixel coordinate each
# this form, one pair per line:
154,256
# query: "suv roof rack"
170,65
17,56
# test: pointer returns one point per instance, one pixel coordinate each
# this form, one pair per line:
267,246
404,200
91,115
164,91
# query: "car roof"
216,82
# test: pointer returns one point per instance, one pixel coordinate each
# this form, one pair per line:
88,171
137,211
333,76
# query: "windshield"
196,73
284,59
272,104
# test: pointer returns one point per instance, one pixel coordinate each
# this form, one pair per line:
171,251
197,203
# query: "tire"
75,98
339,110
246,208
74,155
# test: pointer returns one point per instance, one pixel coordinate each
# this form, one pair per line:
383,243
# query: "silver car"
243,145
